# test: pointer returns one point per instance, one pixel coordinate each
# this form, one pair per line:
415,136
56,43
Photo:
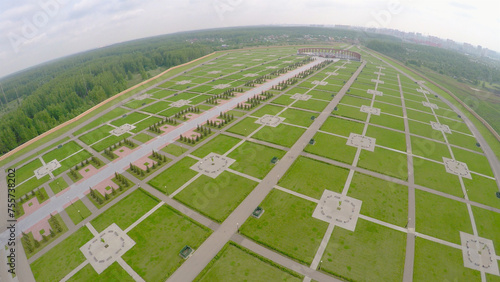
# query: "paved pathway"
195,264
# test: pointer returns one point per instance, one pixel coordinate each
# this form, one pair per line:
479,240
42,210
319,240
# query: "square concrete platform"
303,97
212,165
182,82
479,253
455,167
430,105
441,127
104,249
377,81
423,91
143,96
375,92
180,103
370,110
360,141
317,82
122,129
270,120
337,209
47,168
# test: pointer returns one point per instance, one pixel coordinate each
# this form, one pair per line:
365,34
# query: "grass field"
488,225
254,159
298,117
174,149
437,262
77,211
175,176
387,138
332,147
235,263
287,226
126,211
433,175
311,177
58,185
384,161
61,259
130,118
429,149
244,127
143,137
342,127
159,239
220,144
383,200
482,190
216,198
283,134
441,217
358,254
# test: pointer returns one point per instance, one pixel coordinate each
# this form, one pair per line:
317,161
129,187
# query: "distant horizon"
337,26
33,32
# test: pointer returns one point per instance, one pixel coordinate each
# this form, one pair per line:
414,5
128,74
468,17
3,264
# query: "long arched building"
330,53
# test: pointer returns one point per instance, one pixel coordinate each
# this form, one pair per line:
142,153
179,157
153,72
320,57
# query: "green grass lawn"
135,104
438,262
283,134
384,161
143,137
159,239
130,119
388,121
111,140
283,100
235,263
383,200
313,105
126,211
61,259
113,273
61,153
387,138
457,125
244,127
72,211
220,144
441,217
311,177
387,108
434,176
371,251
298,117
216,198
287,226
332,147
463,141
423,117
96,134
482,190
163,93
475,162
101,120
174,149
354,101
72,161
175,176
268,110
26,171
157,107
254,159
145,124
342,127
429,149
350,112
425,130
58,185
30,185
488,225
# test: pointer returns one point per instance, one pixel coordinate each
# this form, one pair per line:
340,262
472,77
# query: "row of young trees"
31,244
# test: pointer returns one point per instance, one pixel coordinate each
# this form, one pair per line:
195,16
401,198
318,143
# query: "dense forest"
459,66
38,99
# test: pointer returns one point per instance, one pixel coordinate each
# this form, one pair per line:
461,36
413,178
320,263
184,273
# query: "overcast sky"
35,31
